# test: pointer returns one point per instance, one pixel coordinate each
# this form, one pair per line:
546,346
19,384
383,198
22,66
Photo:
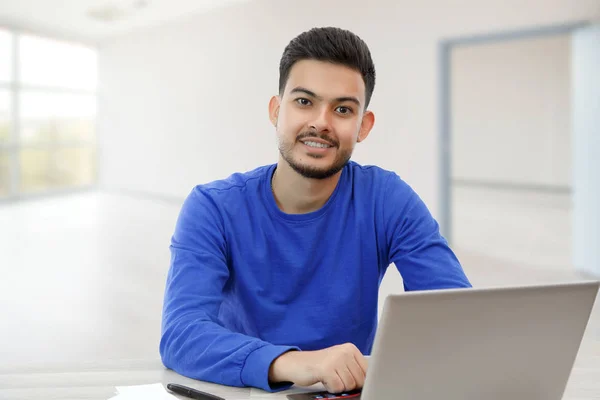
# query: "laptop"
517,343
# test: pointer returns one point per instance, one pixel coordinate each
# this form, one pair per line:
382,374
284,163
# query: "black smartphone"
354,395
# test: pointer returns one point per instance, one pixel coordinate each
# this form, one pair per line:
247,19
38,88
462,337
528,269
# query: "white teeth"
315,144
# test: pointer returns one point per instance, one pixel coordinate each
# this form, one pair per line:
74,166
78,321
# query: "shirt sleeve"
193,342
421,254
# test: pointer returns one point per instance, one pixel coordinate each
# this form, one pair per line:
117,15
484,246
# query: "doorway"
507,145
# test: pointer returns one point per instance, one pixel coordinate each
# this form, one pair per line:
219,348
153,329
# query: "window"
50,63
6,62
47,115
5,109
52,118
6,54
4,174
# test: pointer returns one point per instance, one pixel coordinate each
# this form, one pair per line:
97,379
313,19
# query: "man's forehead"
326,79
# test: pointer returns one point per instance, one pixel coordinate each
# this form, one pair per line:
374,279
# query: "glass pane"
4,115
6,53
56,168
49,62
56,117
4,174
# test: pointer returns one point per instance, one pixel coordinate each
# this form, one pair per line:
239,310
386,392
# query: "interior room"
112,112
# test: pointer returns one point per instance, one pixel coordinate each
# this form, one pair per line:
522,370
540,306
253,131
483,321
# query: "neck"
295,194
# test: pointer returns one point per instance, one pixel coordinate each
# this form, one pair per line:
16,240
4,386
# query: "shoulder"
229,191
235,184
376,179
388,191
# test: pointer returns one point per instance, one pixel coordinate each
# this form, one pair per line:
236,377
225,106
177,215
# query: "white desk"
97,381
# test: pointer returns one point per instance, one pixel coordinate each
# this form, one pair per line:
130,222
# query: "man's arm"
193,343
421,254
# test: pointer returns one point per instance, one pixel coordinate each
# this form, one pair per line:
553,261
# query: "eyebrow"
310,93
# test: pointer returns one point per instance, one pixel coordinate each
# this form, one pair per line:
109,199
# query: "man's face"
320,117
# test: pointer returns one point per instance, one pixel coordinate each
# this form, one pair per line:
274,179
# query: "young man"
275,273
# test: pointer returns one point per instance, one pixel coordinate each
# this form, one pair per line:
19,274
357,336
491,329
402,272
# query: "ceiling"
92,21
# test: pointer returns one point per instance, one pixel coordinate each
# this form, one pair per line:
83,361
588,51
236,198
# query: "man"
275,273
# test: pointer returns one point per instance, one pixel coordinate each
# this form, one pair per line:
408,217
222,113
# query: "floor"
79,274
83,279
514,225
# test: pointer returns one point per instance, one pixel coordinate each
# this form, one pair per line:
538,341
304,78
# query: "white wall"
187,102
511,111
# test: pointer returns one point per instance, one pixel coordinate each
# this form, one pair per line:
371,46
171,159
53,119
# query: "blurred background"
111,111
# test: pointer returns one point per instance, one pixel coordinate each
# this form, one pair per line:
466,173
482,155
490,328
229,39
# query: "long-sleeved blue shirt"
248,282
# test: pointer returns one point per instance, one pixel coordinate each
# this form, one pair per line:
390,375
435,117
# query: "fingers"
343,368
346,377
357,373
334,383
362,362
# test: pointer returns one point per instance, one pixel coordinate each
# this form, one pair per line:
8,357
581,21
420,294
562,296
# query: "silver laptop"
517,343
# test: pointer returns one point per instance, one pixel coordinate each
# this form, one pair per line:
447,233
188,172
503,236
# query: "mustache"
326,138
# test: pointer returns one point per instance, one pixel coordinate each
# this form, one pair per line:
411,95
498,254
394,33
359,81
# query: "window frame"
14,145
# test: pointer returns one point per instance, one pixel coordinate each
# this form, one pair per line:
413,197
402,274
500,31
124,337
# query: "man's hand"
339,368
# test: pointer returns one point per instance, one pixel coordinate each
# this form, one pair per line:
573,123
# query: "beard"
310,171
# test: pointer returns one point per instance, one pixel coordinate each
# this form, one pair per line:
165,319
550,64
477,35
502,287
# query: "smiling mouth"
317,145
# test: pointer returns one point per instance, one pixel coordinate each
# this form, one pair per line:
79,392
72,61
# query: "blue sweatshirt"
248,282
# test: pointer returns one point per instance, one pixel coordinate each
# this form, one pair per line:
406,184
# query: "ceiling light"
111,12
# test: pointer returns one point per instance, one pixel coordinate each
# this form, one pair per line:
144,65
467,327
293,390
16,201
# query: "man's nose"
322,121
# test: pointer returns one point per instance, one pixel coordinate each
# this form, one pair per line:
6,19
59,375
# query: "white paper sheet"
155,391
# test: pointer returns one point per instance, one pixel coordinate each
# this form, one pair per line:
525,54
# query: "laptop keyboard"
348,395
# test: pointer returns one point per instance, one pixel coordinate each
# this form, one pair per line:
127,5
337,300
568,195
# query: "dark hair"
334,45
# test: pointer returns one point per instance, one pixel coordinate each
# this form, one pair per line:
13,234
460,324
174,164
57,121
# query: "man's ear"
274,105
366,125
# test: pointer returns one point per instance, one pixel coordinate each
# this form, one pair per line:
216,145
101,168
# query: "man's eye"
344,110
303,102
